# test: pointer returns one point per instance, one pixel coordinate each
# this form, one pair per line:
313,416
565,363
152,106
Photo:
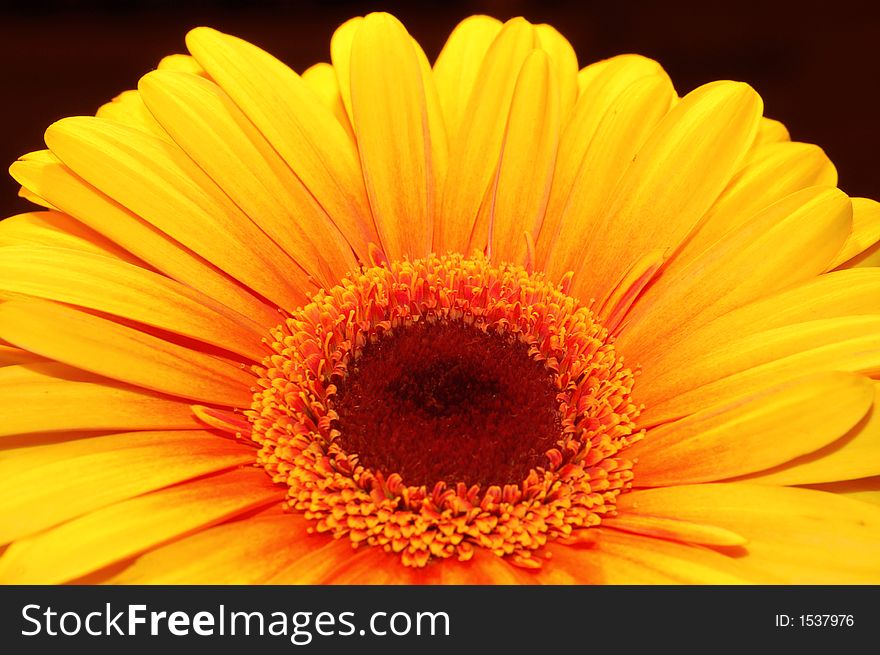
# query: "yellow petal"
833,295
612,308
340,55
457,68
790,242
158,182
795,536
41,396
49,177
47,485
865,259
122,353
475,148
855,455
56,229
771,173
764,429
771,131
30,196
865,231
564,64
98,282
522,186
183,64
390,118
436,128
206,124
674,529
621,70
128,108
620,558
321,79
703,140
292,118
248,551
130,527
866,490
736,368
617,109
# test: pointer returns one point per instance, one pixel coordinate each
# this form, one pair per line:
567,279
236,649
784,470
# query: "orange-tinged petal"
795,536
395,140
457,68
370,566
49,177
292,118
130,527
528,154
766,428
737,367
122,353
485,568
582,566
95,472
482,568
336,562
315,558
108,285
790,242
855,455
248,551
703,139
12,356
475,148
613,307
40,396
157,181
373,566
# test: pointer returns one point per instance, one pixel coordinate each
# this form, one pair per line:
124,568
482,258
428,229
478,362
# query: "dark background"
817,64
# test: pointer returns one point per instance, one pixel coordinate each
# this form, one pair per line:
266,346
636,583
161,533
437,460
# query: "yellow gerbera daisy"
492,320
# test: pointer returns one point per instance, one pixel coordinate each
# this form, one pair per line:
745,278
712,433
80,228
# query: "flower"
495,320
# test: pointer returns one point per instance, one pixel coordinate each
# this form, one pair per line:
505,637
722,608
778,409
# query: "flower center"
444,401
436,406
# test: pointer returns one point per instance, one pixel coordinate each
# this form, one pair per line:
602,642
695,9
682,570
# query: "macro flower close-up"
504,317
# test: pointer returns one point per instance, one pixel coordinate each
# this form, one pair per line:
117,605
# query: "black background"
816,64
